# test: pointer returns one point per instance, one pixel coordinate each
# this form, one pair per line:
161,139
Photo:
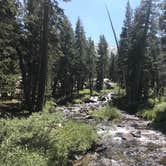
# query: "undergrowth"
43,139
108,112
155,112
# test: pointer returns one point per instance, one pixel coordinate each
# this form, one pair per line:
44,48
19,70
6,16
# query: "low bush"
43,139
18,156
108,112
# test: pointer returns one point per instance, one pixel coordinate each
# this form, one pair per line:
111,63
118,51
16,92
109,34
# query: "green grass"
49,106
156,113
104,91
84,92
84,96
162,99
115,89
161,112
77,101
148,114
43,139
108,112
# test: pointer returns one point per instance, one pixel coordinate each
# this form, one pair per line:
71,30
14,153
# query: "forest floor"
130,142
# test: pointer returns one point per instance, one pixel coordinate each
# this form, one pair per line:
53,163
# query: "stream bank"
130,142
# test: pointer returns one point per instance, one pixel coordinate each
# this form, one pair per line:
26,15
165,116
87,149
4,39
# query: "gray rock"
135,125
127,137
106,162
114,163
136,134
101,148
94,99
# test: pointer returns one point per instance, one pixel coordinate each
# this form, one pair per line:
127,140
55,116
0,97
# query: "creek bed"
130,142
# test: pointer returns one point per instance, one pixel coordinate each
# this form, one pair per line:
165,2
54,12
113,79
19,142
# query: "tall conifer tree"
124,45
102,62
137,51
81,55
8,47
64,80
91,63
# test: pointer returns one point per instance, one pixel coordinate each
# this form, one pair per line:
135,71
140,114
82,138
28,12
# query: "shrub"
108,112
72,139
43,139
16,156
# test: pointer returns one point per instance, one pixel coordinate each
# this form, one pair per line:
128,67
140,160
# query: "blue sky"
94,17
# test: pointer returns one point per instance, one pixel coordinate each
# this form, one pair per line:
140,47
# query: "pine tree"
162,29
125,38
64,80
91,63
43,59
81,56
33,62
54,50
30,60
112,68
8,49
137,52
102,62
150,67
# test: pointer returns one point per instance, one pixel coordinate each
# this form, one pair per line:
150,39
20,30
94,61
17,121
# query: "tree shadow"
12,109
159,126
122,104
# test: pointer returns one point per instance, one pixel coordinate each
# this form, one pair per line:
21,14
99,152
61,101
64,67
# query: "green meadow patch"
43,139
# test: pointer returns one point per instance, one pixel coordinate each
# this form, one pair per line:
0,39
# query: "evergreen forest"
66,100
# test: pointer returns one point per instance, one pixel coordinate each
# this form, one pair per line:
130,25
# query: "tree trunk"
44,59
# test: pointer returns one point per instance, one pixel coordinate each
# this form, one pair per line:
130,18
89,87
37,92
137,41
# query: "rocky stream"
130,142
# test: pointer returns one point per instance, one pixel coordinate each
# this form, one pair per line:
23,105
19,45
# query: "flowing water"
130,142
